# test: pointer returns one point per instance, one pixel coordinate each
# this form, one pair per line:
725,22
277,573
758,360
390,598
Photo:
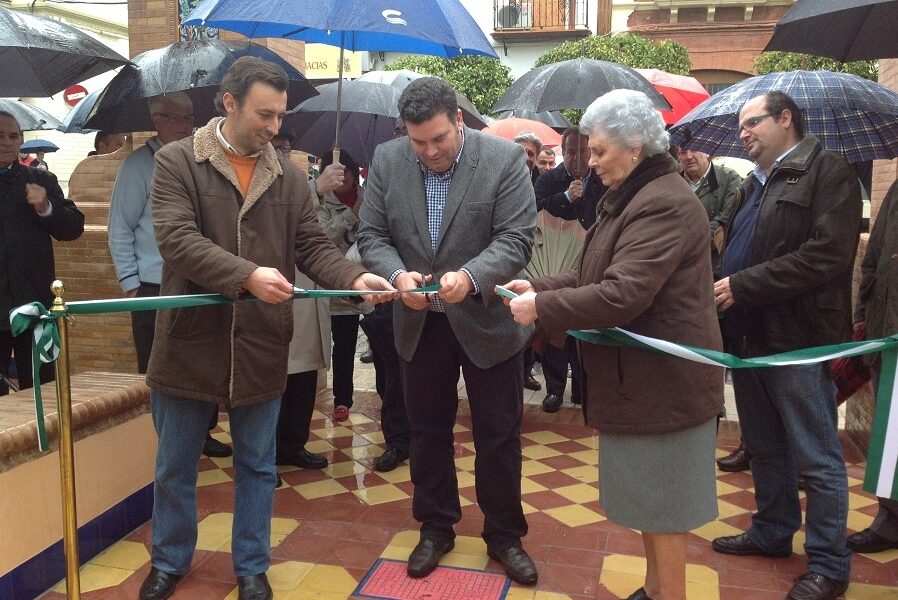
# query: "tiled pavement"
330,526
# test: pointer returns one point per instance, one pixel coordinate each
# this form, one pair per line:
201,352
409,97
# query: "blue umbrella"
74,121
38,146
852,116
435,27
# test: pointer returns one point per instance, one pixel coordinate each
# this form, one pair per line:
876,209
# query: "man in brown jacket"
230,217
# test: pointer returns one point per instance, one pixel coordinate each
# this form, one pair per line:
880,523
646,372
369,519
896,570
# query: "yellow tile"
317,414
222,521
213,539
620,584
624,563
211,477
395,553
587,457
124,555
468,544
327,579
853,482
574,515
529,509
865,591
283,526
537,452
465,479
540,595
407,539
586,473
545,437
729,510
798,542
375,437
344,468
226,426
859,500
379,494
521,593
360,452
465,561
469,446
715,529
329,433
275,539
225,437
700,590
320,489
858,521
701,575
580,493
528,486
95,577
534,467
462,501
400,474
465,463
459,428
590,442
724,488
883,557
224,462
287,575
359,419
319,446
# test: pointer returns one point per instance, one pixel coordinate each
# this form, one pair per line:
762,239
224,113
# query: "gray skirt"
659,483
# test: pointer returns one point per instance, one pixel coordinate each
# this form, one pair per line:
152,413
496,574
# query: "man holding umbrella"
231,217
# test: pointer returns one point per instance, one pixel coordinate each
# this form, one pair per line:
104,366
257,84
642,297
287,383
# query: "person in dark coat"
33,212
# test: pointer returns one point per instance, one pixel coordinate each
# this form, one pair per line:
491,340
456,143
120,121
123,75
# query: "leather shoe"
390,459
814,586
254,587
551,403
740,460
303,459
158,585
518,565
426,556
213,447
639,595
741,545
868,541
367,357
530,383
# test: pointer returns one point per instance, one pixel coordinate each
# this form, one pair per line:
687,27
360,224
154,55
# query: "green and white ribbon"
882,458
45,342
44,349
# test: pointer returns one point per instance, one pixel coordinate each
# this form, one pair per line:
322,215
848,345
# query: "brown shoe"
814,586
518,565
426,556
868,541
741,545
530,383
740,460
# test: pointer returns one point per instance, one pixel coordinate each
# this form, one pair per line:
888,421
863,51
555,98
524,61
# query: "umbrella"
41,56
573,84
850,115
682,92
30,118
195,68
552,118
400,79
73,122
845,30
38,145
368,117
512,126
436,27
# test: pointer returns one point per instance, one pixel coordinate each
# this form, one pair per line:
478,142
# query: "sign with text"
323,62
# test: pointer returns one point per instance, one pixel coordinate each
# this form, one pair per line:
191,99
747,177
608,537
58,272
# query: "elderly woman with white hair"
645,267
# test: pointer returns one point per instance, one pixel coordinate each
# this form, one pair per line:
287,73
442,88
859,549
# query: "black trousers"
143,329
555,362
495,396
20,345
378,326
297,405
345,333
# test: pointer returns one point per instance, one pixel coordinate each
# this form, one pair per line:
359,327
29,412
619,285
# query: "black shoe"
390,459
426,556
741,545
814,586
518,565
639,595
366,357
158,585
530,383
740,460
302,459
217,449
254,587
279,483
868,541
551,403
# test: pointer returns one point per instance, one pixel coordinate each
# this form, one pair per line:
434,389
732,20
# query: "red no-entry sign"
74,94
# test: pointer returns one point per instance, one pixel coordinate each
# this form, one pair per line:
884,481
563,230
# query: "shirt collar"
451,169
758,170
227,145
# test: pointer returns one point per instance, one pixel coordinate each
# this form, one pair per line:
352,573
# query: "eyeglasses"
176,118
753,122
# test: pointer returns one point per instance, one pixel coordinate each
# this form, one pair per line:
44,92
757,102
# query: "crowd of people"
674,247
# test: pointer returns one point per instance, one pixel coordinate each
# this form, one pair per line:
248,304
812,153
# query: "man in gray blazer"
448,204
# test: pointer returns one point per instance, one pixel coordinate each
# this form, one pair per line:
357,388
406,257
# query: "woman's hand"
518,286
524,307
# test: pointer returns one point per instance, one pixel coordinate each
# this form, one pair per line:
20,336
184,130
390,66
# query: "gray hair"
528,137
629,120
156,103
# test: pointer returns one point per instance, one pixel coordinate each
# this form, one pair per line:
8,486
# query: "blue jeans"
182,426
790,427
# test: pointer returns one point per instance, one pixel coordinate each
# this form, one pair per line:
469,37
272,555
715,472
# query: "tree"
624,48
769,62
479,78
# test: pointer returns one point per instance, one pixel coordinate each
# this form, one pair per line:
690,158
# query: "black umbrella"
41,57
573,84
369,114
400,79
30,118
845,30
73,122
195,68
552,118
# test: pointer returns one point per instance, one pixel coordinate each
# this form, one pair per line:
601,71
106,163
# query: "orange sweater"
244,167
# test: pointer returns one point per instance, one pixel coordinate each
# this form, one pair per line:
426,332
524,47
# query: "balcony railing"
540,15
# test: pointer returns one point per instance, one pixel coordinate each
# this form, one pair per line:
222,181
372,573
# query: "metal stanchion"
66,449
